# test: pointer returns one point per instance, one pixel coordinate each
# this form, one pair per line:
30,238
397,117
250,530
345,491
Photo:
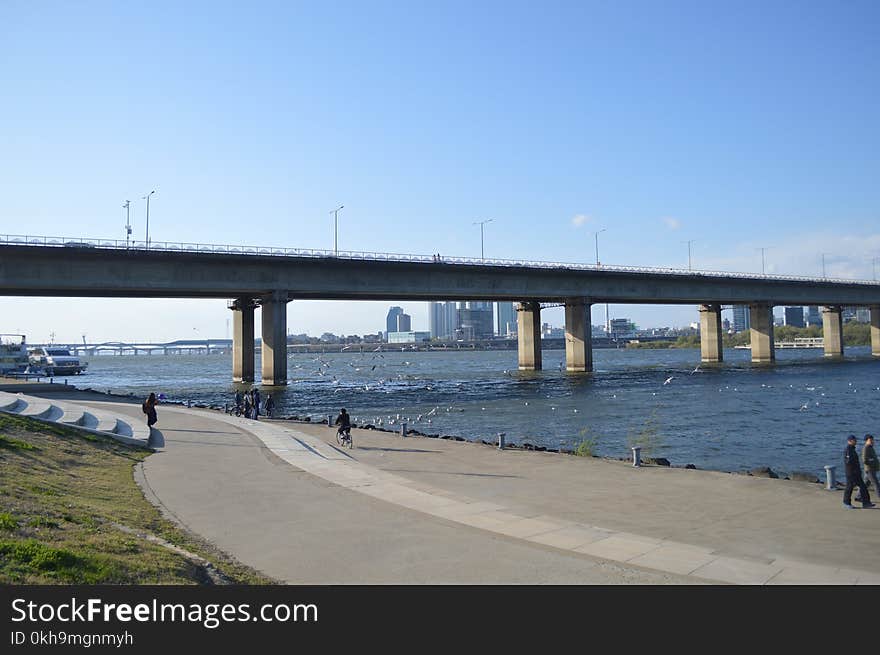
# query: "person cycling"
344,423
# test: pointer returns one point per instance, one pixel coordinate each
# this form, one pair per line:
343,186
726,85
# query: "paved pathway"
282,498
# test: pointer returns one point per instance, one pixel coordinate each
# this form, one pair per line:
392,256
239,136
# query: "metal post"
403,429
501,436
637,455
830,483
330,420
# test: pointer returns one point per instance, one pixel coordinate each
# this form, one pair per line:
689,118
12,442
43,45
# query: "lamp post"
147,198
823,265
127,222
596,235
762,258
335,213
481,224
874,267
689,252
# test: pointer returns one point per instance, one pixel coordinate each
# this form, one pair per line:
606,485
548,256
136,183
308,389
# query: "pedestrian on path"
854,476
149,408
270,405
257,402
871,463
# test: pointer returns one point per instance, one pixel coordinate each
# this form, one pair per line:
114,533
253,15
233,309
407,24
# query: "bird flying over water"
669,379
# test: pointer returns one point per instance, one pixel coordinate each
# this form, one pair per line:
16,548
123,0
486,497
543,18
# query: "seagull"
804,407
345,348
668,380
696,370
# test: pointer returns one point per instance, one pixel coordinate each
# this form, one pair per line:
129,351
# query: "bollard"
330,420
403,429
225,408
501,436
637,455
830,483
189,403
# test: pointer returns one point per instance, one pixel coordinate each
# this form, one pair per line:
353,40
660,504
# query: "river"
793,416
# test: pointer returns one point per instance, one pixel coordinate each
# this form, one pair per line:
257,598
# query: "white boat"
13,353
55,360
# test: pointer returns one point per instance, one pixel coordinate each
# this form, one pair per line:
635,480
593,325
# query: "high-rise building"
391,320
443,319
475,320
741,318
794,316
813,316
506,319
404,323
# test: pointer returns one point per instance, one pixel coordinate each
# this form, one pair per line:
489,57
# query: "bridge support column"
711,348
274,319
832,330
578,336
761,319
242,339
875,330
528,335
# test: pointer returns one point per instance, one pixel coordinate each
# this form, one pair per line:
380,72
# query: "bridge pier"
528,335
711,346
761,319
578,336
242,339
832,330
274,319
875,330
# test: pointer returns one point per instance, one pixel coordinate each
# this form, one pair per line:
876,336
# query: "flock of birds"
376,361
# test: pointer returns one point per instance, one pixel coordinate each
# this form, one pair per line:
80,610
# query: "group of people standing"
250,403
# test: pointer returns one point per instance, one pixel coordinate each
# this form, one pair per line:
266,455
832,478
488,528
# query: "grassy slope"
62,491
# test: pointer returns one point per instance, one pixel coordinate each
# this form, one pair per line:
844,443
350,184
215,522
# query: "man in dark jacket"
344,423
854,476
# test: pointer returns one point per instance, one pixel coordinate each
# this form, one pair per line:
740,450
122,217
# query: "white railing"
274,251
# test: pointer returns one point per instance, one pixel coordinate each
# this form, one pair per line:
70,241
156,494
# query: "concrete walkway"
282,498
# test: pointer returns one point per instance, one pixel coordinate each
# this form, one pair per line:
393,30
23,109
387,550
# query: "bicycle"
343,437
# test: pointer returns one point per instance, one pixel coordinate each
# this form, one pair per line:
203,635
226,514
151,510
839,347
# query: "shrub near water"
69,506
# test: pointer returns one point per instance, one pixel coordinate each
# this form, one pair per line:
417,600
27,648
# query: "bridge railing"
274,251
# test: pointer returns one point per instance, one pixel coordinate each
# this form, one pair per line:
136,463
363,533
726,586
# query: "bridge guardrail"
273,251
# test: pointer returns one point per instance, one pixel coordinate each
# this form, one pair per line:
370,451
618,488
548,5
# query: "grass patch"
586,447
63,496
14,444
7,521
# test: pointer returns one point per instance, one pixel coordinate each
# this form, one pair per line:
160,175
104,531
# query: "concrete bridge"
269,278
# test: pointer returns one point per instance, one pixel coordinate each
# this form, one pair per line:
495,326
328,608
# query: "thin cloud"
580,219
672,223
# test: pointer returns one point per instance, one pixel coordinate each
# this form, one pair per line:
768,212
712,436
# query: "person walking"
247,404
854,476
270,405
257,402
238,402
149,408
871,463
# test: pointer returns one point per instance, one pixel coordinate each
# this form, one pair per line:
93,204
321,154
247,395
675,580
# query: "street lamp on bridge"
481,224
762,257
596,235
689,252
147,198
335,213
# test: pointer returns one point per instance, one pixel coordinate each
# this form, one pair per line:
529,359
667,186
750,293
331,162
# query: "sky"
736,126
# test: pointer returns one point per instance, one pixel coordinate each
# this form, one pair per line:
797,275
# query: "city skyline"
736,138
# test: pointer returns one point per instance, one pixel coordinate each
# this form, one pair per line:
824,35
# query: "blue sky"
736,125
